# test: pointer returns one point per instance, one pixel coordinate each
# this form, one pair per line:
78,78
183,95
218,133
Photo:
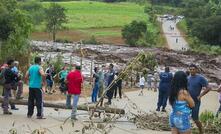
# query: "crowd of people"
184,89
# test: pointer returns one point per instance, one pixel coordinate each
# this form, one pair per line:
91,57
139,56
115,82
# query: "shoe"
158,109
41,117
163,110
19,98
14,108
7,112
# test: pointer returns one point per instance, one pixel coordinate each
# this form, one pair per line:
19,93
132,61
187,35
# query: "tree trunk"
54,33
63,106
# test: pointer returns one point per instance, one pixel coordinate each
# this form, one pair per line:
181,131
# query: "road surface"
173,36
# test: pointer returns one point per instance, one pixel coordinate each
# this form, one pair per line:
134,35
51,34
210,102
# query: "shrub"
133,32
92,40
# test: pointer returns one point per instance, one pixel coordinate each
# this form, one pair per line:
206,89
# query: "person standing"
101,81
36,77
111,86
196,83
164,89
181,103
95,85
149,81
62,77
50,73
75,84
118,86
142,83
18,84
9,77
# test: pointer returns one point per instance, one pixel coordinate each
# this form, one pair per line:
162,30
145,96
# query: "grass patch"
85,14
102,20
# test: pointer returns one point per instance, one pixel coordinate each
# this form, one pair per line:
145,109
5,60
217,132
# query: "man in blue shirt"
164,89
196,83
36,77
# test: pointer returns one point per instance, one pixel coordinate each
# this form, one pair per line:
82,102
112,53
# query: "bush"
92,40
133,32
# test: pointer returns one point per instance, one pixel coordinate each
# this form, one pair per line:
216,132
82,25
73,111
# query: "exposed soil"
77,35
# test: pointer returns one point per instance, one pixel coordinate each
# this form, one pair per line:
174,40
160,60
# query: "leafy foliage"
133,32
55,17
35,10
204,20
16,33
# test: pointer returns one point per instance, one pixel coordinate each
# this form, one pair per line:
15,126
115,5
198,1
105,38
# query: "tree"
133,32
35,10
15,28
55,17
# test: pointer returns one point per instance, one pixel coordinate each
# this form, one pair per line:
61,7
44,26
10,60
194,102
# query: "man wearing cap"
75,84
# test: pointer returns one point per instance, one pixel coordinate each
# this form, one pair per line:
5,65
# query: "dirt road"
173,36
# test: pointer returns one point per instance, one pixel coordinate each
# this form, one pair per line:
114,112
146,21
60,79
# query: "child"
142,81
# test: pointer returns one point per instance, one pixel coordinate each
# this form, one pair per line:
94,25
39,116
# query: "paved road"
174,39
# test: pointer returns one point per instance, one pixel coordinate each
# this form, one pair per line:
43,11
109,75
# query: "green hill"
103,20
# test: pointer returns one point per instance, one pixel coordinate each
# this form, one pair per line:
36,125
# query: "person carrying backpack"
9,77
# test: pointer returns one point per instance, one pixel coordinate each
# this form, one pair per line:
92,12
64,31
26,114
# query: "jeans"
74,106
68,101
95,92
162,99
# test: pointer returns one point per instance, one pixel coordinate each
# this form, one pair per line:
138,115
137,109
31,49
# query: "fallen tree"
63,106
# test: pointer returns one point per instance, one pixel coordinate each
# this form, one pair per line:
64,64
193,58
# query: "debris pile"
152,121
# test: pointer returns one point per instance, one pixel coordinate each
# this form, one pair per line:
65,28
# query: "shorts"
195,111
142,86
49,83
181,121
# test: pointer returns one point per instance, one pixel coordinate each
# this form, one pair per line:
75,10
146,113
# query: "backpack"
2,76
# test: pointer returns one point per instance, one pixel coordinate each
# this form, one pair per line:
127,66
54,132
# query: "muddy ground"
210,65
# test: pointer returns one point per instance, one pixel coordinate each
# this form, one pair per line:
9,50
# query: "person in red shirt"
75,84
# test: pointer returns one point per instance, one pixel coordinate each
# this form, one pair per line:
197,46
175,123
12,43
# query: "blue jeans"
68,100
74,105
95,92
162,99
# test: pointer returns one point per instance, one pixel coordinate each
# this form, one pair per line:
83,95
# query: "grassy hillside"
103,20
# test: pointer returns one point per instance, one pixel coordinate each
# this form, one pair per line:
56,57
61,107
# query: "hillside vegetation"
99,19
